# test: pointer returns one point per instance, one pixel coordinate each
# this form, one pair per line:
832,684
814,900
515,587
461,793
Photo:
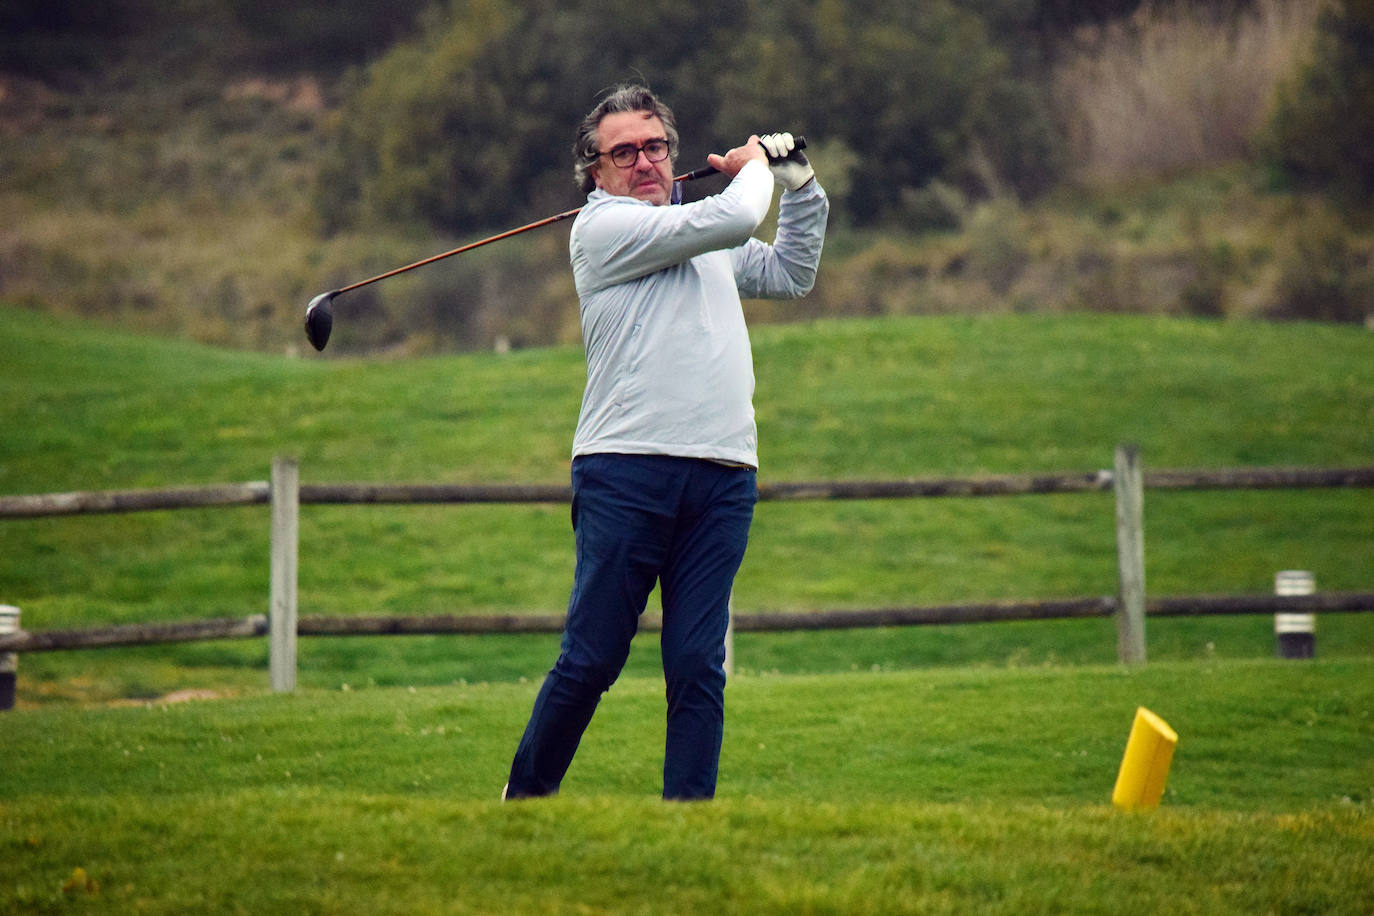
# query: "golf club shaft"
567,214
548,220
319,317
703,172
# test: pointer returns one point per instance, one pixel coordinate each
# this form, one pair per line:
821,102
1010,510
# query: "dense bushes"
49,38
166,164
320,34
469,124
1324,126
466,125
76,42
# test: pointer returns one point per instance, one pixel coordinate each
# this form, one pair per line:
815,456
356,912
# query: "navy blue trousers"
641,519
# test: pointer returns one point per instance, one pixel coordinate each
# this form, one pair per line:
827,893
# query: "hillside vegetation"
202,169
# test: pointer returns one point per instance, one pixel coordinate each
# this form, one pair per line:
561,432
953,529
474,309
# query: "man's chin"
656,194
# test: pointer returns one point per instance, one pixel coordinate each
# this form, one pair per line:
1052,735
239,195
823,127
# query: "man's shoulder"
600,199
601,205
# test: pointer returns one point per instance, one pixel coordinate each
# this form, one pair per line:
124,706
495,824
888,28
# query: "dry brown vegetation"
1173,88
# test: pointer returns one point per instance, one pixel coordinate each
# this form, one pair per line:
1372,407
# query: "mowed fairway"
929,770
937,791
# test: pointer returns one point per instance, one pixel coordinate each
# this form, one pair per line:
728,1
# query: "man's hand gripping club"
736,159
786,161
781,152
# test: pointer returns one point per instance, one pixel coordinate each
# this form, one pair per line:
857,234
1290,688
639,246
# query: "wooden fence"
285,494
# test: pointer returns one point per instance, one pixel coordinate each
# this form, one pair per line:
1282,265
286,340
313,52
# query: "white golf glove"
789,165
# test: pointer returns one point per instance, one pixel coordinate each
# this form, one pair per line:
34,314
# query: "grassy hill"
941,769
85,406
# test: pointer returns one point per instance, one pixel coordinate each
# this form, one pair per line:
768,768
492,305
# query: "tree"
469,125
1322,125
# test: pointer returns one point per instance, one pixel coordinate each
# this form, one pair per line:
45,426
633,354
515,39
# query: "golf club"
319,314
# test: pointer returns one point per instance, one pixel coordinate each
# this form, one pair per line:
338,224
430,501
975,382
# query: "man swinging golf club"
665,451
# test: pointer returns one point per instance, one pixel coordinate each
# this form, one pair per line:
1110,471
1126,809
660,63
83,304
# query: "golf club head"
319,319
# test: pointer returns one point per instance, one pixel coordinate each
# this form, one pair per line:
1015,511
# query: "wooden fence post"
1128,482
285,537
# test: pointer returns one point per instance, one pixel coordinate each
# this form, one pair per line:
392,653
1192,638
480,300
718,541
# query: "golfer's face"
642,179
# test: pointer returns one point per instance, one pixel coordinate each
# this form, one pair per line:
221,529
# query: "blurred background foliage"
468,124
202,167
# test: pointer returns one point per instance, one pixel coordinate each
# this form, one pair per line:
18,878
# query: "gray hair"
620,99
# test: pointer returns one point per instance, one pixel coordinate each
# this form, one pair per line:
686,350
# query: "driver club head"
319,319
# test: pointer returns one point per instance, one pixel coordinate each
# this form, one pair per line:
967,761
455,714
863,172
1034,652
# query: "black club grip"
799,144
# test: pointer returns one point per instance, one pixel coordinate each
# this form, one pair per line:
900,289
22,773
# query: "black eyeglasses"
626,154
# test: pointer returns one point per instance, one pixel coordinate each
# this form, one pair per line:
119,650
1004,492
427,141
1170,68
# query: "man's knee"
590,675
695,674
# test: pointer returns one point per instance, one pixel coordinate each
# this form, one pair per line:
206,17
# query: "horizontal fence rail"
106,501
135,634
285,494
259,492
256,625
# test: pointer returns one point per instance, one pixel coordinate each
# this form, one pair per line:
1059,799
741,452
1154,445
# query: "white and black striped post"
9,661
1295,635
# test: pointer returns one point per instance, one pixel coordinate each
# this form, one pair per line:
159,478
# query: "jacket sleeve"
786,269
619,239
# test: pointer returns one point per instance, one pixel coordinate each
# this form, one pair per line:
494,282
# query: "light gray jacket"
669,367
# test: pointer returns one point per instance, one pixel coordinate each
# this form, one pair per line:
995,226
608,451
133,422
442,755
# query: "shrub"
1323,125
468,125
1323,277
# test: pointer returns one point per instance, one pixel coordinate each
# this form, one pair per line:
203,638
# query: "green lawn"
85,406
945,769
942,790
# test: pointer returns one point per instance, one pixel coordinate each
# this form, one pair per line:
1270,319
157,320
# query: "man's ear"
595,172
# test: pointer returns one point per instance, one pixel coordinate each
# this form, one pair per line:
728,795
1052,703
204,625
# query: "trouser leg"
621,540
562,711
708,548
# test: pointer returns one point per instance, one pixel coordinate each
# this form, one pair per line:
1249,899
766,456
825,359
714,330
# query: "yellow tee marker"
1145,765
